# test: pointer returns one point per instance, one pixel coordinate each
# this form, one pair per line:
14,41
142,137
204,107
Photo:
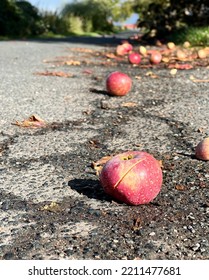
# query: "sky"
55,5
49,5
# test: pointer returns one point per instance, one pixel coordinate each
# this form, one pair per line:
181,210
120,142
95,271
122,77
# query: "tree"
19,18
101,13
169,15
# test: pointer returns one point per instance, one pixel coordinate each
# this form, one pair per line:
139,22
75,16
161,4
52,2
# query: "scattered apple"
202,149
134,58
127,46
124,48
155,57
181,55
171,45
120,50
143,50
207,50
186,44
118,83
132,177
202,53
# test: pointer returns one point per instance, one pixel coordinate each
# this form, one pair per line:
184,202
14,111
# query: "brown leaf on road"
180,187
161,163
82,50
165,59
192,78
152,75
184,66
137,224
88,71
98,165
173,71
52,207
110,55
34,121
72,62
129,104
113,56
55,74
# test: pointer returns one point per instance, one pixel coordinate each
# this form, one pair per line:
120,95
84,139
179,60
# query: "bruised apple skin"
118,83
132,177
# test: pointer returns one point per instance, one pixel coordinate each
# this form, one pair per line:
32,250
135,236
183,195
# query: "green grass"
197,36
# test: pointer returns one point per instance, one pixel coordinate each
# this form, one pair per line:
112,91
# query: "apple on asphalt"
124,48
202,149
120,50
134,58
118,83
155,57
132,177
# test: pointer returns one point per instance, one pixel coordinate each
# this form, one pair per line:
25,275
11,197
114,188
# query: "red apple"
132,177
124,48
202,149
156,57
120,50
128,47
134,58
118,83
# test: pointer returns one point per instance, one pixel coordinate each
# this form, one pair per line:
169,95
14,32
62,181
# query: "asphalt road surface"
52,205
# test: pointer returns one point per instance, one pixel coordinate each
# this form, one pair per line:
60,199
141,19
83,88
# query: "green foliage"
98,15
54,24
170,15
197,36
19,18
75,25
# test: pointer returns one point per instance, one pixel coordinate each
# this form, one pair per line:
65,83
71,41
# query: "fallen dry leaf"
184,66
34,121
98,165
110,55
55,74
82,50
151,74
173,71
129,104
198,80
161,163
180,187
137,224
52,207
113,56
88,71
94,143
72,62
165,59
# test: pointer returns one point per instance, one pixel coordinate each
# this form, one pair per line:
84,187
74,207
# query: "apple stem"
118,182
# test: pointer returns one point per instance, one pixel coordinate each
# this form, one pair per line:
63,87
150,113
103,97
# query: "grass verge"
197,36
